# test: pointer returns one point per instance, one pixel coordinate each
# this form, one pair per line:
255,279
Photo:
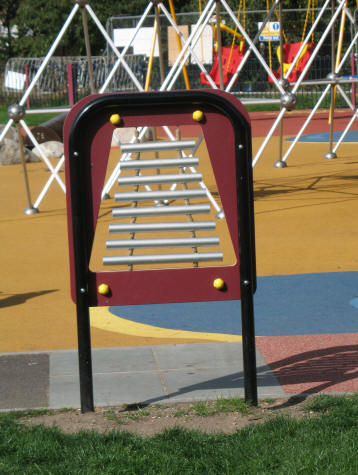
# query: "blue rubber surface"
284,305
352,136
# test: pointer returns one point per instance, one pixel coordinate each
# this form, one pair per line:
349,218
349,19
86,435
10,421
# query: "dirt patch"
225,416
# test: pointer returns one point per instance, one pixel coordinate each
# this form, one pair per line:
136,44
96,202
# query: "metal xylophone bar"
168,242
162,258
162,227
156,179
159,195
160,162
158,146
160,210
136,211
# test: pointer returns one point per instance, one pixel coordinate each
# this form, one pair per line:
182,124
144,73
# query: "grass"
31,119
202,409
326,444
131,414
211,408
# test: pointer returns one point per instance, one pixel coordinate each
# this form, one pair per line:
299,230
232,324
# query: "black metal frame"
79,168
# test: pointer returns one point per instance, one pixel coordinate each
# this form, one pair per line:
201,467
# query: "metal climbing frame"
288,100
17,112
288,95
88,131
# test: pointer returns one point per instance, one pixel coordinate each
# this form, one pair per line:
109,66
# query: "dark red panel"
88,133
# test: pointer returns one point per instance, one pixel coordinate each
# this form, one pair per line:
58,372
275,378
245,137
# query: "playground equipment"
287,53
286,89
290,51
231,58
226,59
159,211
305,56
84,7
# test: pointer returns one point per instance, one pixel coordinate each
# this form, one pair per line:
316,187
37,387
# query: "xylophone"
166,246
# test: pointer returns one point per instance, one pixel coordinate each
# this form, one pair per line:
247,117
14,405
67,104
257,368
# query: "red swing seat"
236,53
290,51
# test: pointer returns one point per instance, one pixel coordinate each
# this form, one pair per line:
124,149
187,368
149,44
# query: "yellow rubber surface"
305,222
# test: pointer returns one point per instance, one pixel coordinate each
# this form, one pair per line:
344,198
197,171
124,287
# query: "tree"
8,10
39,21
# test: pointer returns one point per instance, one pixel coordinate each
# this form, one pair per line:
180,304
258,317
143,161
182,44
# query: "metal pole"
84,354
253,47
184,54
318,46
298,83
324,93
16,112
115,50
280,163
307,121
353,83
219,45
187,46
151,57
249,50
27,84
49,182
88,47
49,54
185,73
330,154
248,342
80,242
71,85
308,36
123,53
160,46
42,155
30,209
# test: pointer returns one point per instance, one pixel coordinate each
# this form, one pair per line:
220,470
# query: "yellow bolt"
219,283
103,289
198,115
115,119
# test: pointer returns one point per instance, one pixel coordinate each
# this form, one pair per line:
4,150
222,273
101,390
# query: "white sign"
14,80
204,46
271,31
142,43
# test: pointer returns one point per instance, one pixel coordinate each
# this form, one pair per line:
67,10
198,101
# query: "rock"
125,135
10,153
122,135
11,134
51,149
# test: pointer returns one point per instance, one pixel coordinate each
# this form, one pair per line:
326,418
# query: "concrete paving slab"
196,384
112,389
126,359
206,355
24,380
131,375
63,363
64,391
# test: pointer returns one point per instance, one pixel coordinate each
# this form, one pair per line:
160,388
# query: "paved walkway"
141,374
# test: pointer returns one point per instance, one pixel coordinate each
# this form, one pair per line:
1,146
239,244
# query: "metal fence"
53,89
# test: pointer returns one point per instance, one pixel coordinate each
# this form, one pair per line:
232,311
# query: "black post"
78,204
84,357
247,261
248,342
